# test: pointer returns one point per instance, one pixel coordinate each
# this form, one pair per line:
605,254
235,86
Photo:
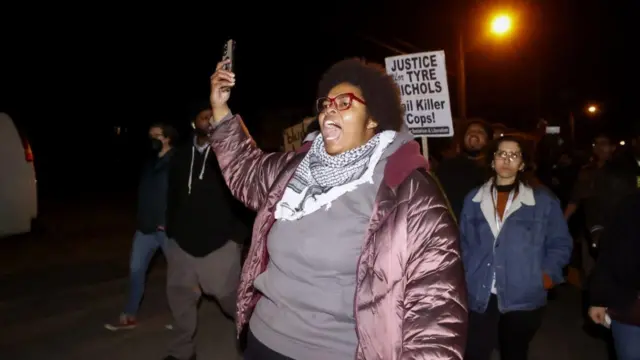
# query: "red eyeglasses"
339,102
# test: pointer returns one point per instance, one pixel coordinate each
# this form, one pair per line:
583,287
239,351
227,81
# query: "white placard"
422,78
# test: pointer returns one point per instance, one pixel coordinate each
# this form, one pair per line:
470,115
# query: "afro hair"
379,90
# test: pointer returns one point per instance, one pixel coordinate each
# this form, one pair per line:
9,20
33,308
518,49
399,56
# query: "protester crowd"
362,250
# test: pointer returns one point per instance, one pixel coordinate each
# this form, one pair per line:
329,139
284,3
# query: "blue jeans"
144,247
627,340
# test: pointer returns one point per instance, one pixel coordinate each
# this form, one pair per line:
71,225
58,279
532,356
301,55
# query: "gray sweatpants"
216,274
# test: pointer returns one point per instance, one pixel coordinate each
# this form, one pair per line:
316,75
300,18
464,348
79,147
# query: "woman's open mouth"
331,131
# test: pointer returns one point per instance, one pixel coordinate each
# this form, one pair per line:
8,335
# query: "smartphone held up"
227,54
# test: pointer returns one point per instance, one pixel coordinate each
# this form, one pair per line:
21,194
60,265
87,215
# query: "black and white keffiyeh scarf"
321,178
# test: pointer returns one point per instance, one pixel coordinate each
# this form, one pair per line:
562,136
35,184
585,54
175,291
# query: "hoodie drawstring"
204,164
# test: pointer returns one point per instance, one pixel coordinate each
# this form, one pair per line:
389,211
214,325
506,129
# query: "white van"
18,192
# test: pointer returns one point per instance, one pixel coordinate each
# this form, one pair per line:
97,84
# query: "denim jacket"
533,240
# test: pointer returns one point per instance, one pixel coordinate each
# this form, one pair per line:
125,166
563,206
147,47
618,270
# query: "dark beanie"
486,126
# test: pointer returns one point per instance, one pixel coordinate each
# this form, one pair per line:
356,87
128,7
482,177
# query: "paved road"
68,325
58,289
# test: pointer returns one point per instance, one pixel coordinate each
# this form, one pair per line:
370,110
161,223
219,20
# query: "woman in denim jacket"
515,243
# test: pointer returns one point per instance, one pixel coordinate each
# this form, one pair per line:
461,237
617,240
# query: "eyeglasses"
340,102
507,155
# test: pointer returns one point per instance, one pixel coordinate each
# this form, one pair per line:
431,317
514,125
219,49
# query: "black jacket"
615,281
458,176
613,184
152,199
200,216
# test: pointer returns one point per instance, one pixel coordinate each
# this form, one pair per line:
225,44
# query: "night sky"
69,78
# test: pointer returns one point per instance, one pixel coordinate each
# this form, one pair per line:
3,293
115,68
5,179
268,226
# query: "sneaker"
126,322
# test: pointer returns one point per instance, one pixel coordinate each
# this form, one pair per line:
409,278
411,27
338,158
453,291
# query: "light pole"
462,79
500,25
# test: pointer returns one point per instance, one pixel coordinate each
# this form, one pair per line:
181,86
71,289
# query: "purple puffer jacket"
410,298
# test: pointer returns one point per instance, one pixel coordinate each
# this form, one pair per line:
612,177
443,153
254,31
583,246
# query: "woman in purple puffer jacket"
355,254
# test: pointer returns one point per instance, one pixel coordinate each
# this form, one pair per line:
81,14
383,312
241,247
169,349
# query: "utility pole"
462,78
461,71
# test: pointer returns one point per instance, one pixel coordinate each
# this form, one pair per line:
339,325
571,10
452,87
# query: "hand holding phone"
221,83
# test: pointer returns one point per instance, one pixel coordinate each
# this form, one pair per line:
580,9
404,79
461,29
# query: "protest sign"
422,78
294,135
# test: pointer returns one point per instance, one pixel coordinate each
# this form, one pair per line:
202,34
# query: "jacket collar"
305,147
399,165
484,196
525,194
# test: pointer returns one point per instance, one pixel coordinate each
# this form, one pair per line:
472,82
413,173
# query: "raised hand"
221,83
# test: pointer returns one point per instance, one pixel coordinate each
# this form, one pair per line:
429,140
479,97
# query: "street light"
591,110
501,24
